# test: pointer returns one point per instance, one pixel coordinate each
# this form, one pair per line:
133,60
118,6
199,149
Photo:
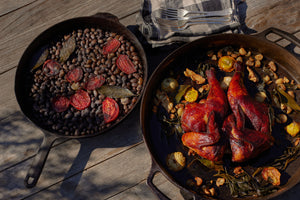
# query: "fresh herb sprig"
289,155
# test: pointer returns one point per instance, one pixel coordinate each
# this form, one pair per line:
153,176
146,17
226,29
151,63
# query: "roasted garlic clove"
169,85
281,118
175,161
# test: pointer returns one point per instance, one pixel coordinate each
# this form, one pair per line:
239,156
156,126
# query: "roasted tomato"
226,63
74,75
80,100
111,46
94,82
125,64
60,103
110,109
51,67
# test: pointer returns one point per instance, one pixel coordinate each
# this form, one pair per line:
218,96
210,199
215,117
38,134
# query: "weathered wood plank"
140,191
24,137
110,181
22,26
75,156
19,139
14,123
8,102
110,166
282,14
8,6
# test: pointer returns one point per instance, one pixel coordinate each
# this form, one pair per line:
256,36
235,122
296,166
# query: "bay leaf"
210,164
67,49
290,101
115,91
41,59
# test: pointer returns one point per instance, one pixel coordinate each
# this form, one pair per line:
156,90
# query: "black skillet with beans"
86,82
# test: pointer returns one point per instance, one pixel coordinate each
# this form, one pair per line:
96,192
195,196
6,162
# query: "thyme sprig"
202,67
243,185
289,155
171,126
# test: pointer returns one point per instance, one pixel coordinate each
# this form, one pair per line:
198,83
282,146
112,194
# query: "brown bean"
131,48
135,58
89,56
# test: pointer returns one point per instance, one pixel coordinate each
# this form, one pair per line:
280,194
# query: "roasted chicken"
248,128
201,122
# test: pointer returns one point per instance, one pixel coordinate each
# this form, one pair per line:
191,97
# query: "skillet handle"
284,34
107,16
154,170
38,163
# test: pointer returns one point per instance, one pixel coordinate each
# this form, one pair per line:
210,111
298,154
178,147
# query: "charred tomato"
51,67
80,100
74,75
125,64
60,103
111,46
110,109
94,82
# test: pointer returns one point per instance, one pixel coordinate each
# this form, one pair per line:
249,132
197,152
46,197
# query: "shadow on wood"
127,133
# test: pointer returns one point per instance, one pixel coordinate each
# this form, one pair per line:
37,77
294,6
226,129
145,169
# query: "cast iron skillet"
160,146
104,21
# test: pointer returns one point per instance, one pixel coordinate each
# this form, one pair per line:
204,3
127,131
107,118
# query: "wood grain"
14,123
114,165
75,156
282,14
8,6
22,26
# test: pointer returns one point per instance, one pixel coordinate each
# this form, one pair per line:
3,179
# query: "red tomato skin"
74,75
80,100
60,104
125,65
51,67
110,109
111,46
94,82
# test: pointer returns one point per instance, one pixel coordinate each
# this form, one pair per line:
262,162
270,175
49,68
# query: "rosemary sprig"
289,155
202,68
243,185
171,126
239,186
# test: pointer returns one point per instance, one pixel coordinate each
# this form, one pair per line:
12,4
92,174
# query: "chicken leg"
246,142
200,122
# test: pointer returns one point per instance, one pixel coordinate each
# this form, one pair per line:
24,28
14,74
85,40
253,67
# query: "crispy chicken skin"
238,96
195,115
201,121
246,142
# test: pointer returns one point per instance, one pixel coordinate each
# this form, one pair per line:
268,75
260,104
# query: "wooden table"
114,165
